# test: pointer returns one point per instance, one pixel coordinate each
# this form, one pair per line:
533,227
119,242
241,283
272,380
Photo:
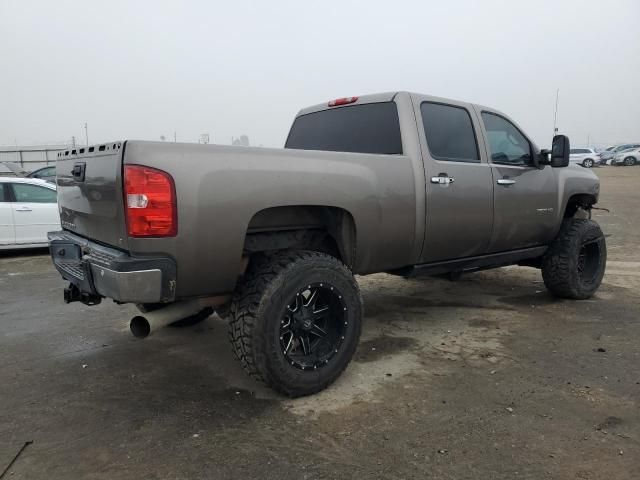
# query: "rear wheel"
574,265
629,161
295,321
587,163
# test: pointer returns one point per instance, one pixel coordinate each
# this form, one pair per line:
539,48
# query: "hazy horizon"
146,69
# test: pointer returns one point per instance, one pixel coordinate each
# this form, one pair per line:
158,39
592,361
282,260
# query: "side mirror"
560,151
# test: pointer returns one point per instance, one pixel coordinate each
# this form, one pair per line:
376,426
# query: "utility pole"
73,141
174,137
555,115
86,132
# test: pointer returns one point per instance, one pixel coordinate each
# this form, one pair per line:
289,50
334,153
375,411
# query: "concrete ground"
485,378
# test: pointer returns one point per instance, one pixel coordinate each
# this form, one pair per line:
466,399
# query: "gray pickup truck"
398,182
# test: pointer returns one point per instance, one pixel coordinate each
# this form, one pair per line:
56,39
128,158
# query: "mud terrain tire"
270,317
574,265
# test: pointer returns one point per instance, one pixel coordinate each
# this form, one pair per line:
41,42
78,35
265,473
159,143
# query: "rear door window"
27,193
449,132
367,128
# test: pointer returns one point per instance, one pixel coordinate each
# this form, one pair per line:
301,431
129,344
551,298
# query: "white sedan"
28,210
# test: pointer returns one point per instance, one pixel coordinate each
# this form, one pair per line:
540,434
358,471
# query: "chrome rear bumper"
99,271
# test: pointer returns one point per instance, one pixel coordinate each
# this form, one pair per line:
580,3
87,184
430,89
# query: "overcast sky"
142,69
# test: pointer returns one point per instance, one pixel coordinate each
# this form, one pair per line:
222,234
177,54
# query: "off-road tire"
259,305
561,264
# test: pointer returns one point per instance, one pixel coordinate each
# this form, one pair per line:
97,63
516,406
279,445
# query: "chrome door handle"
442,180
23,209
506,181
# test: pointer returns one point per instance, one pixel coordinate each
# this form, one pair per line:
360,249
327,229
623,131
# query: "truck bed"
221,191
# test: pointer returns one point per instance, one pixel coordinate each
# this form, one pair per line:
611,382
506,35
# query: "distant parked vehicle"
583,156
45,173
28,210
606,154
628,157
610,155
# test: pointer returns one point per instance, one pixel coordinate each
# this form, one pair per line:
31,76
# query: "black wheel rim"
313,326
589,261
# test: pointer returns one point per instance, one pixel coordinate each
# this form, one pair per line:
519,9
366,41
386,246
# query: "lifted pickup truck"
271,238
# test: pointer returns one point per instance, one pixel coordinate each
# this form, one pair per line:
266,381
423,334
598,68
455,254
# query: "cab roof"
362,99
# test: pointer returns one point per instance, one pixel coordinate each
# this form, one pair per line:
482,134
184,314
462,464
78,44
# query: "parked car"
627,157
28,210
609,155
396,182
605,154
45,173
583,156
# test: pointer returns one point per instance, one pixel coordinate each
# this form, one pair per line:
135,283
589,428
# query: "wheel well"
576,202
324,229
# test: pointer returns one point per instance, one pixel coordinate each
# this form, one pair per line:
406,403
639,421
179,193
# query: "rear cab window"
366,128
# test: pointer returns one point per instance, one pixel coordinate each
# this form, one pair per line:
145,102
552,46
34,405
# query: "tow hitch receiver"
73,294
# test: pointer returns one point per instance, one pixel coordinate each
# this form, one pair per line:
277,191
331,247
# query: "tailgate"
90,192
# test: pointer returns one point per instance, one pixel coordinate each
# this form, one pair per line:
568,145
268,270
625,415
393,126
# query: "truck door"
459,185
524,196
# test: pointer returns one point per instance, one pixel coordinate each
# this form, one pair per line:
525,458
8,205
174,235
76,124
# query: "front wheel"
629,161
295,321
574,265
587,163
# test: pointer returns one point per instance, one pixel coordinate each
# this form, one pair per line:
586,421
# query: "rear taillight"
150,201
342,101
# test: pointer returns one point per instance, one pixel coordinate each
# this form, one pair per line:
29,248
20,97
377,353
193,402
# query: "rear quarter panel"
219,189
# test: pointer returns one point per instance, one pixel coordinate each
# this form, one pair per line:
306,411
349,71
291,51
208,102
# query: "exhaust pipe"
143,325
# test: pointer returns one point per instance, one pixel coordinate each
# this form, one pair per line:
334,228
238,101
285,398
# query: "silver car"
583,156
628,157
610,154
